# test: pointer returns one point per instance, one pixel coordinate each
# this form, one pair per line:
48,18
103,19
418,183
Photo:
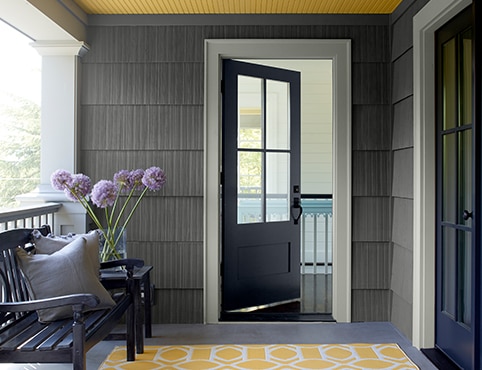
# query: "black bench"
23,339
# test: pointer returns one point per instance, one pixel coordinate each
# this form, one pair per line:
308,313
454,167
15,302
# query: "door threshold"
439,359
276,316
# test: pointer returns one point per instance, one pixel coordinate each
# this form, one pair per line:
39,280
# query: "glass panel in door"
277,187
263,150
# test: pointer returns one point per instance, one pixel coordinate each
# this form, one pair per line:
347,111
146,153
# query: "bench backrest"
12,284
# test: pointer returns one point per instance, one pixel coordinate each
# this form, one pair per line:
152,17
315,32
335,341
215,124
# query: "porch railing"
32,216
316,234
316,254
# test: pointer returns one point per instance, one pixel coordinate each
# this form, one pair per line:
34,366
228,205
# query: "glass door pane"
464,278
449,171
465,177
449,271
450,85
250,154
277,187
277,115
466,78
263,150
250,119
250,187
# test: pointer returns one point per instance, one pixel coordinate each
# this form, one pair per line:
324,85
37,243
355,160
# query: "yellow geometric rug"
264,357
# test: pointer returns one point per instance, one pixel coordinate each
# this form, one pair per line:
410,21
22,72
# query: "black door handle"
467,215
296,206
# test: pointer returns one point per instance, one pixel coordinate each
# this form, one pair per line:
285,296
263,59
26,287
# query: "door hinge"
222,86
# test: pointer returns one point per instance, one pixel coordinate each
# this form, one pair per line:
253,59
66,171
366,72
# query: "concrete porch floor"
256,333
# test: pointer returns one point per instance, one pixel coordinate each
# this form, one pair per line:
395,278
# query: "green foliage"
250,164
19,149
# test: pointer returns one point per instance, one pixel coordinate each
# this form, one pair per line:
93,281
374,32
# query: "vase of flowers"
107,194
107,253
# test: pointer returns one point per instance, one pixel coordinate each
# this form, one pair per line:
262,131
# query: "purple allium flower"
70,195
154,178
135,179
60,179
122,180
104,193
80,184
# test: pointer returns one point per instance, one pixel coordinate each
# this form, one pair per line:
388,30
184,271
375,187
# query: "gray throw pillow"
72,269
51,243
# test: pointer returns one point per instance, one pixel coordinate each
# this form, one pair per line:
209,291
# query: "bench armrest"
78,301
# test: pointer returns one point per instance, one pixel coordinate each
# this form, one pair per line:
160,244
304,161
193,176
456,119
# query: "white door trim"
340,52
425,23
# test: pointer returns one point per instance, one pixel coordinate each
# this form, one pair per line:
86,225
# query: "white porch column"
59,114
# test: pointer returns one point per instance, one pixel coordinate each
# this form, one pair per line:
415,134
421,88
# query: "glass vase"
119,251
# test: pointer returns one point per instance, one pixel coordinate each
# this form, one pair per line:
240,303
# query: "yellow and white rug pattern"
263,357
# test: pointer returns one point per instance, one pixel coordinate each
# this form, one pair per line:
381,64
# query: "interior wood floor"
315,304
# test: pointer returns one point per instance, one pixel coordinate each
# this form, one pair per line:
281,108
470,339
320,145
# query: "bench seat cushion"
72,269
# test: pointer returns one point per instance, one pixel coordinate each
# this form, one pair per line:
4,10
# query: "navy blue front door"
456,210
260,186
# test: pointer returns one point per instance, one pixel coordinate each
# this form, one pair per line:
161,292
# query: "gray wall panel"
403,124
169,219
374,40
371,43
178,306
142,127
402,226
402,143
371,305
402,281
403,173
402,77
179,264
402,21
371,127
371,173
146,44
401,315
184,169
143,85
371,83
404,38
372,265
371,219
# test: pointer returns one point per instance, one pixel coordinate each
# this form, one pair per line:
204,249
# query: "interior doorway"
340,52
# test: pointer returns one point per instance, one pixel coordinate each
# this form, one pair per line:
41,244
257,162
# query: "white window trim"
340,52
435,14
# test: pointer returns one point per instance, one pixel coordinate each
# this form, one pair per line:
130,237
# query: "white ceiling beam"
44,20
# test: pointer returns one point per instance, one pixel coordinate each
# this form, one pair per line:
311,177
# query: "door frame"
340,52
435,14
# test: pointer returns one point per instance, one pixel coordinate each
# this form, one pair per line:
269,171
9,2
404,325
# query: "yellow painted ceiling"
238,6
